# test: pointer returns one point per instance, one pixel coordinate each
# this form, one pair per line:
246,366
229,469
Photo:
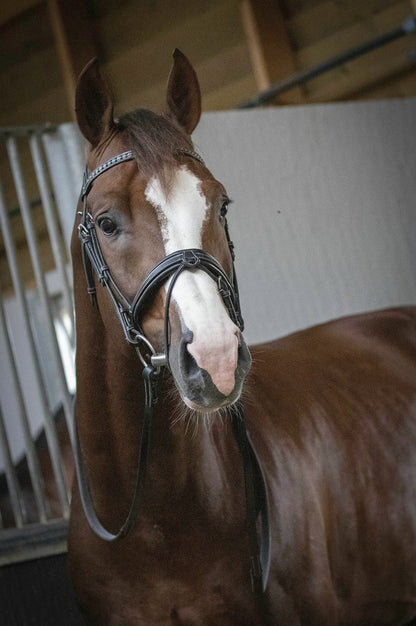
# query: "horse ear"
93,104
183,93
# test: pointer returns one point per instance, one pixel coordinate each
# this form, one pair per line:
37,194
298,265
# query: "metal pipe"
65,158
16,501
31,456
33,542
19,290
408,27
32,242
24,131
51,221
44,298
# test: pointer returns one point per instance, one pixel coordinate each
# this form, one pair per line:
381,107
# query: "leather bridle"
130,314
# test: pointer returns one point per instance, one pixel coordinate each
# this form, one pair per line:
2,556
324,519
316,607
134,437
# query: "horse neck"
186,459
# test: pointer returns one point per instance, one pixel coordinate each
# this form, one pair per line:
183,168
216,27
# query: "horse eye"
223,210
107,226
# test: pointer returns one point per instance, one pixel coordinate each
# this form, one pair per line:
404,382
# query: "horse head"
162,205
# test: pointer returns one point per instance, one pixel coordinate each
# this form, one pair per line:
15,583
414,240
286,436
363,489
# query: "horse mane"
155,141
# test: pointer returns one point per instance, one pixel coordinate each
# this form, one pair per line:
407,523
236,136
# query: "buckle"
83,231
190,259
152,359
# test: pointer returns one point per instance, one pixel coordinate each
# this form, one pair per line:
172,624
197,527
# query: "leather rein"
130,315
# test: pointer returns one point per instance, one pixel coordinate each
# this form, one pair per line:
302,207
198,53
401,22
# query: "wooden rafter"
271,52
74,41
10,9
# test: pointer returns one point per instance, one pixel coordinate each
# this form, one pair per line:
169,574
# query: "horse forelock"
155,141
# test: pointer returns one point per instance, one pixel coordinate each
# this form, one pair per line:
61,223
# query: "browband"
120,158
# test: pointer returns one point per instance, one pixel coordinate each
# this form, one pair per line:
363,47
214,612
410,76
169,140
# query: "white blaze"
181,215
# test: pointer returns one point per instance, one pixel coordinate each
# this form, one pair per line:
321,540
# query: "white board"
324,216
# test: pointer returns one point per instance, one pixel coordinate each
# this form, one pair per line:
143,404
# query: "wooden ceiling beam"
74,41
272,56
10,9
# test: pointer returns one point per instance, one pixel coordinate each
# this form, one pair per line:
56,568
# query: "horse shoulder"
331,411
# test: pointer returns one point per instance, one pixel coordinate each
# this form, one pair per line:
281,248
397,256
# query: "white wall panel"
324,216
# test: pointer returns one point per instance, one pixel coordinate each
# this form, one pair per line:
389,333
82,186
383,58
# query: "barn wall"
323,216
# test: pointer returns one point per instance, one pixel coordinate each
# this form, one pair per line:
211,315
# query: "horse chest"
163,574
194,575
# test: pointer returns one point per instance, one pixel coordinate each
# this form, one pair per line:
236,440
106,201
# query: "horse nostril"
197,381
189,367
244,358
186,339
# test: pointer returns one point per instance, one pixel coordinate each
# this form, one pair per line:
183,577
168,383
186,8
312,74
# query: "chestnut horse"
331,410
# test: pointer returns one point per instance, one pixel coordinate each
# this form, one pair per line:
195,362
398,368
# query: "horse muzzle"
207,389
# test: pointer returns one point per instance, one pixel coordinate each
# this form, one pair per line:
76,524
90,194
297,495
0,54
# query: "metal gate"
40,175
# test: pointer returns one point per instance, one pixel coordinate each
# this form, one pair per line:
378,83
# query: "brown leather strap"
150,381
256,502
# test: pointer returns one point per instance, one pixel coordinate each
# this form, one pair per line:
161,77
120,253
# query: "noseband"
130,315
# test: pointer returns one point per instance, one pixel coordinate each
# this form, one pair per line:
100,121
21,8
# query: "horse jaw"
210,359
